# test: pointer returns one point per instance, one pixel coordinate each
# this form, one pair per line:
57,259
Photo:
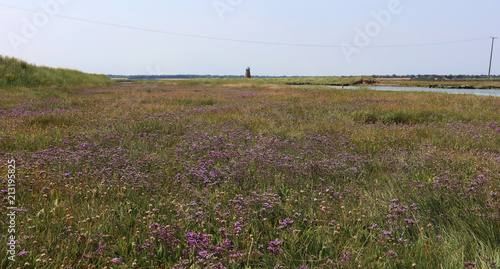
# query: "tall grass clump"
18,73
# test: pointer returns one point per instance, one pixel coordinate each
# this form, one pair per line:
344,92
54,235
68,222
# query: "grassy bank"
247,174
476,84
18,73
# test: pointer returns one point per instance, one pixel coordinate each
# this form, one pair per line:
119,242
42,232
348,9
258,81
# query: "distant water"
416,89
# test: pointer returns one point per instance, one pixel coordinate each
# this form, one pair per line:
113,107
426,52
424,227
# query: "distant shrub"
23,65
391,117
366,116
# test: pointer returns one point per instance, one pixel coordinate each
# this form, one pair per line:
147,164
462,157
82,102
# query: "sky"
273,37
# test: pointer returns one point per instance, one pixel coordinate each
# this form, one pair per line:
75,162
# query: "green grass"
18,73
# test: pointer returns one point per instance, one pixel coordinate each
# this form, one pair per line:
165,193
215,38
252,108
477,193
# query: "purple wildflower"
273,247
285,223
409,221
117,260
470,264
391,254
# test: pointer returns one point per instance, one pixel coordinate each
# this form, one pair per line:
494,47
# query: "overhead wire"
243,40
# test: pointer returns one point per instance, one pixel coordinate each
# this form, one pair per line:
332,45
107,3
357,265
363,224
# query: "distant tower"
247,73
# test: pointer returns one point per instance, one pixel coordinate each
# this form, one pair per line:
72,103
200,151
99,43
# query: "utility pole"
491,55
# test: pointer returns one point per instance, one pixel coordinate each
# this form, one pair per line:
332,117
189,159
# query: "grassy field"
249,174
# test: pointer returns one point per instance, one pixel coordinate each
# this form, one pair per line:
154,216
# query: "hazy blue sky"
321,37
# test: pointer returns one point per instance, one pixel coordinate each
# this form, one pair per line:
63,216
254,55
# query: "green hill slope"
18,73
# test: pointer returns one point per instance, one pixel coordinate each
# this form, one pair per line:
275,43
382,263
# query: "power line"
242,40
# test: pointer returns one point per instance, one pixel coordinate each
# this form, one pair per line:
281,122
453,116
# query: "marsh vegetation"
195,174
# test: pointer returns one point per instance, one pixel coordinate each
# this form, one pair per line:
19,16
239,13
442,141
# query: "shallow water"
495,92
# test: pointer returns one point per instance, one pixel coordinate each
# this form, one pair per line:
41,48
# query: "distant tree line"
414,77
153,77
142,77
